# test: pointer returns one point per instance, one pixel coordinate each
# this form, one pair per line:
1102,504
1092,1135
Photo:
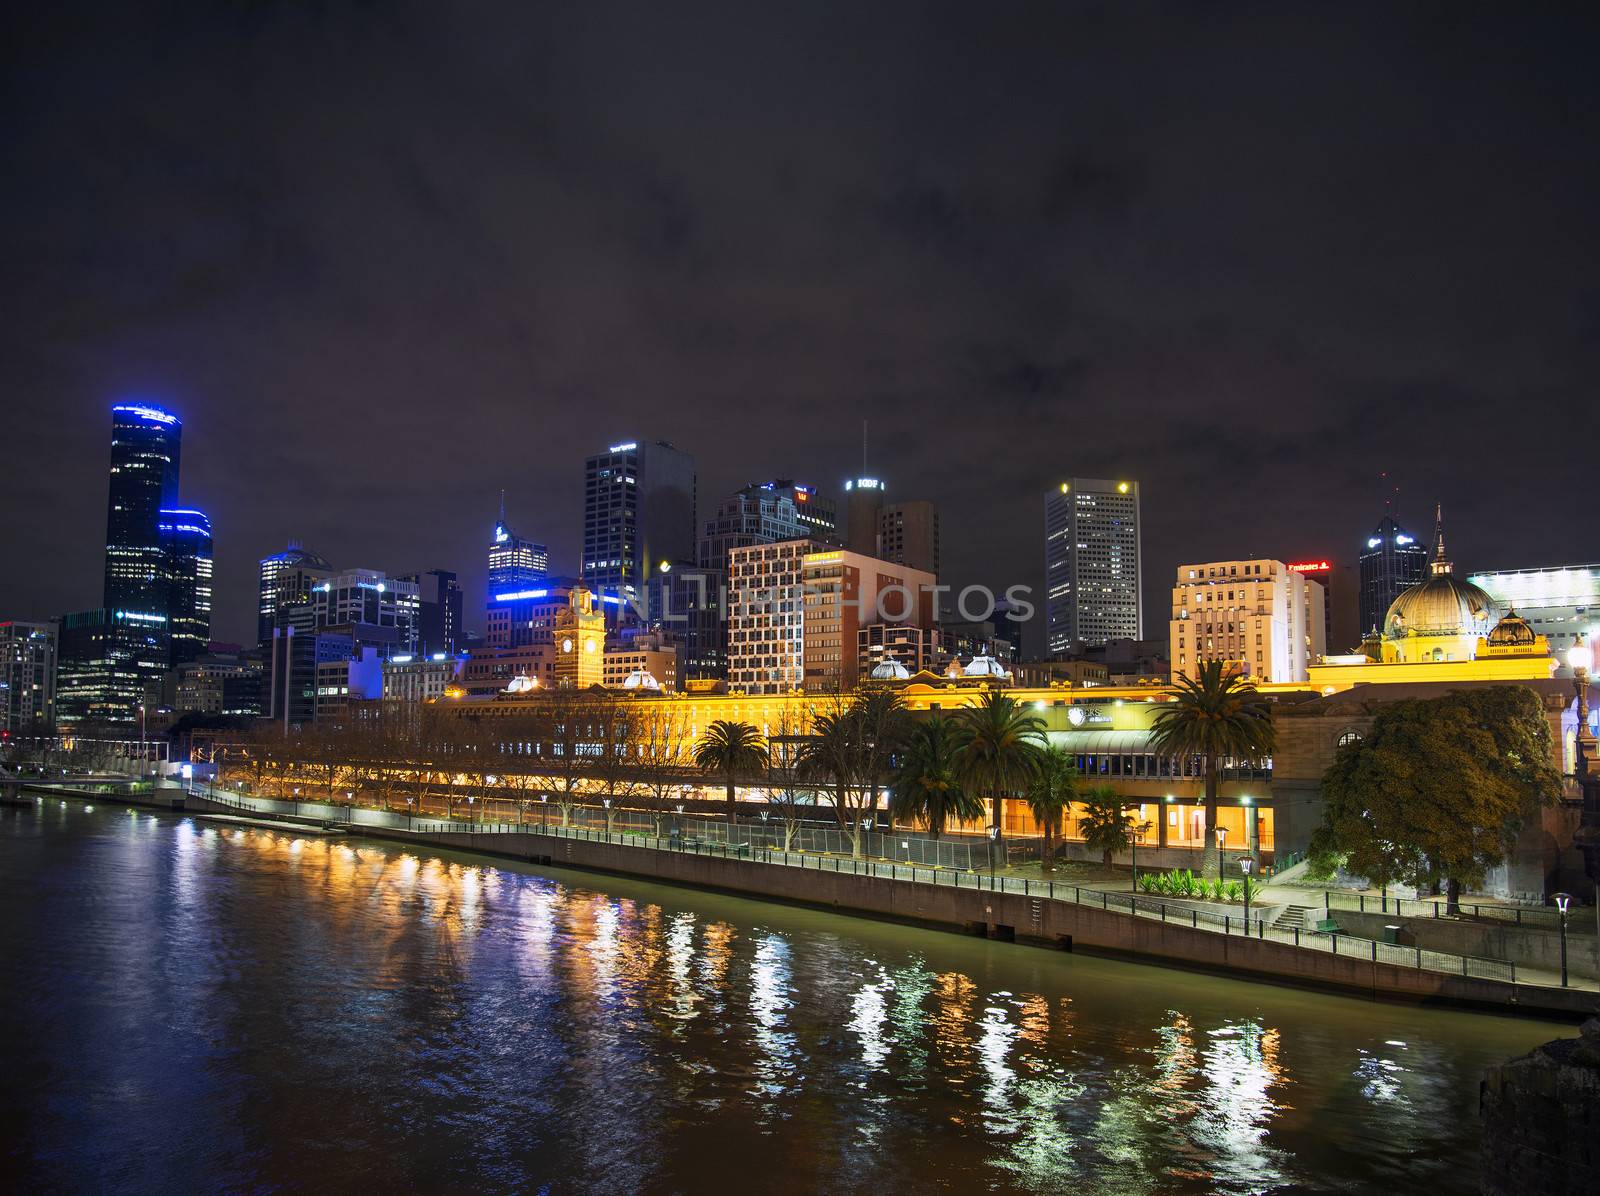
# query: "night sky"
385,259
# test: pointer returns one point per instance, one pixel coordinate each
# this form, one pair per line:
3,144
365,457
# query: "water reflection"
338,1014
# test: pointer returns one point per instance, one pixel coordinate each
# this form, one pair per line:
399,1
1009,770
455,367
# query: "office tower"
105,659
219,683
287,579
766,616
1341,626
186,540
514,563
908,534
439,611
687,605
863,503
383,610
753,515
144,481
638,510
845,592
1559,602
525,617
1259,617
1092,563
27,678
1391,561
817,513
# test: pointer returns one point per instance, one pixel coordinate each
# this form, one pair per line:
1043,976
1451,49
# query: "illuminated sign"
1310,566
624,448
153,414
520,594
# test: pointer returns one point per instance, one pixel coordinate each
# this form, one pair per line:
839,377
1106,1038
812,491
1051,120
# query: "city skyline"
1026,278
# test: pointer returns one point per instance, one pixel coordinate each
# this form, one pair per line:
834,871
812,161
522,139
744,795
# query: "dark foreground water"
186,1006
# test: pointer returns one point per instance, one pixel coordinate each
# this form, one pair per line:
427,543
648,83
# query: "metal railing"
687,838
1542,917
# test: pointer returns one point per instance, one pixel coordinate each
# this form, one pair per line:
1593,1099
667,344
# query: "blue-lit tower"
186,539
144,481
514,563
1391,561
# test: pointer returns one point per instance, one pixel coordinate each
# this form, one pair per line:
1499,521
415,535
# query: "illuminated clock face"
1076,715
588,645
566,645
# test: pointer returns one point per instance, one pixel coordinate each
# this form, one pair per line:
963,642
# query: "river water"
190,1006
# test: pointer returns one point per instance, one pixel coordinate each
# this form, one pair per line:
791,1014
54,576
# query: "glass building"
1391,561
515,563
144,482
1092,563
186,540
286,579
1559,602
106,657
27,678
638,510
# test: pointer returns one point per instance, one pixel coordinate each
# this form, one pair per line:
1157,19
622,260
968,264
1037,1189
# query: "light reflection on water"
320,1013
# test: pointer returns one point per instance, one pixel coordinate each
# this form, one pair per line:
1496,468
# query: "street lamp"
1139,829
606,802
1585,769
544,812
994,836
1563,900
296,798
1222,842
1246,865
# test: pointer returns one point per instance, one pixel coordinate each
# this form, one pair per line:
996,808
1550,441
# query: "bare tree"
664,743
788,796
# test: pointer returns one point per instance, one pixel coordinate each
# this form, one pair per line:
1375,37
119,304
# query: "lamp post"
1563,900
994,836
296,798
606,802
1586,770
1246,865
544,812
1139,830
1222,840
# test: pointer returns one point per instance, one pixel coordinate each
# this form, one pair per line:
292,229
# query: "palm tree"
1107,826
1048,795
927,785
730,750
999,740
1216,716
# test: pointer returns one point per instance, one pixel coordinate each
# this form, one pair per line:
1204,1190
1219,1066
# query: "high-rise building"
638,510
863,504
1341,629
766,616
908,534
753,515
514,563
186,539
844,592
523,617
385,609
287,579
1092,563
439,611
219,683
1559,602
144,481
105,660
27,678
905,533
1391,561
1259,617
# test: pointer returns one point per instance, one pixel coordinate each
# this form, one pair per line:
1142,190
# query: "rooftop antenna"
502,507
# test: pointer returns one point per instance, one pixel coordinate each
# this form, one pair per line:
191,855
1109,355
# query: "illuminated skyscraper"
1391,560
186,542
638,510
287,579
1092,563
514,563
144,481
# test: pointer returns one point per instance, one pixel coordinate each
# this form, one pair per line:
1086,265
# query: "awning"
1102,743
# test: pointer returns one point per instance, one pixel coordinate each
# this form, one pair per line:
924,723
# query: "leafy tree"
1438,788
1000,741
1106,824
1049,794
1217,716
730,750
928,785
850,749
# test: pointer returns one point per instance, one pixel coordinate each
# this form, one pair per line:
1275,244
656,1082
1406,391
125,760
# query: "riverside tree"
1217,717
1049,795
1106,824
731,751
1438,788
928,786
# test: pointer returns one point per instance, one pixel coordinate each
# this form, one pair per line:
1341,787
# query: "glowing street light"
1563,900
1246,865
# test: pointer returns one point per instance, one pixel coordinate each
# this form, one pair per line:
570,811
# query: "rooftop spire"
1441,563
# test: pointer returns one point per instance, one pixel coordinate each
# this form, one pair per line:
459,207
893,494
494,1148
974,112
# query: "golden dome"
1441,604
1512,632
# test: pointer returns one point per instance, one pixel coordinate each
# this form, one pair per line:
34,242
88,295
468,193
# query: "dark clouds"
387,259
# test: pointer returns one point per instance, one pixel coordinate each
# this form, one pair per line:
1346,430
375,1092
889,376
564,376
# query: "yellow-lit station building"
1441,635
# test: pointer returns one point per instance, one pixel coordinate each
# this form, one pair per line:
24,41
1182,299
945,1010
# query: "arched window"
1350,737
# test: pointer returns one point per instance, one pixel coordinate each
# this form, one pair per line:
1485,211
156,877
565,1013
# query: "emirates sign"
1311,566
